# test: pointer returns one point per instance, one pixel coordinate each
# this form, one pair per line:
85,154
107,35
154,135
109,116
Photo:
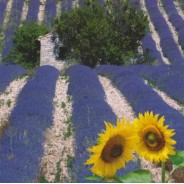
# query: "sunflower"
153,141
113,150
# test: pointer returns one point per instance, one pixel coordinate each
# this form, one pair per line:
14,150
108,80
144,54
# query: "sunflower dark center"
153,138
116,151
113,149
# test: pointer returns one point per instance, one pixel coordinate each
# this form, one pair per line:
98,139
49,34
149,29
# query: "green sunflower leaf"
178,159
139,176
94,178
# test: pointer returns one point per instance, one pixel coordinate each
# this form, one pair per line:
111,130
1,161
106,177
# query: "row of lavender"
169,79
142,97
147,43
15,19
22,143
8,73
13,23
89,113
32,15
66,5
33,9
149,47
176,20
168,45
50,11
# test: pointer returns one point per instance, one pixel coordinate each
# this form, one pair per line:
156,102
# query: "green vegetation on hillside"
26,48
96,34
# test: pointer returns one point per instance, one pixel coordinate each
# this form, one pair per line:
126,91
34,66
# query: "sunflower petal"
113,150
154,141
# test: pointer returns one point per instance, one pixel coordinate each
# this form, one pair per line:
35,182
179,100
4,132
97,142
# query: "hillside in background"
164,44
50,117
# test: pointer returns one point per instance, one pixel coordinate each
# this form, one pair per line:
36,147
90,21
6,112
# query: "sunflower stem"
163,172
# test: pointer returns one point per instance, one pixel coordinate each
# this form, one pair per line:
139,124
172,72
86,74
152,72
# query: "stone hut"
50,47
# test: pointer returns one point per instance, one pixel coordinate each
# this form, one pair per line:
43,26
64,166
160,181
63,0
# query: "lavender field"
50,117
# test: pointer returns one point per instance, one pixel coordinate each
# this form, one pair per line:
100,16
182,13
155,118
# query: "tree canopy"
102,34
25,49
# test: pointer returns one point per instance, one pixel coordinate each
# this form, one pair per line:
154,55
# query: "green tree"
25,49
102,34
